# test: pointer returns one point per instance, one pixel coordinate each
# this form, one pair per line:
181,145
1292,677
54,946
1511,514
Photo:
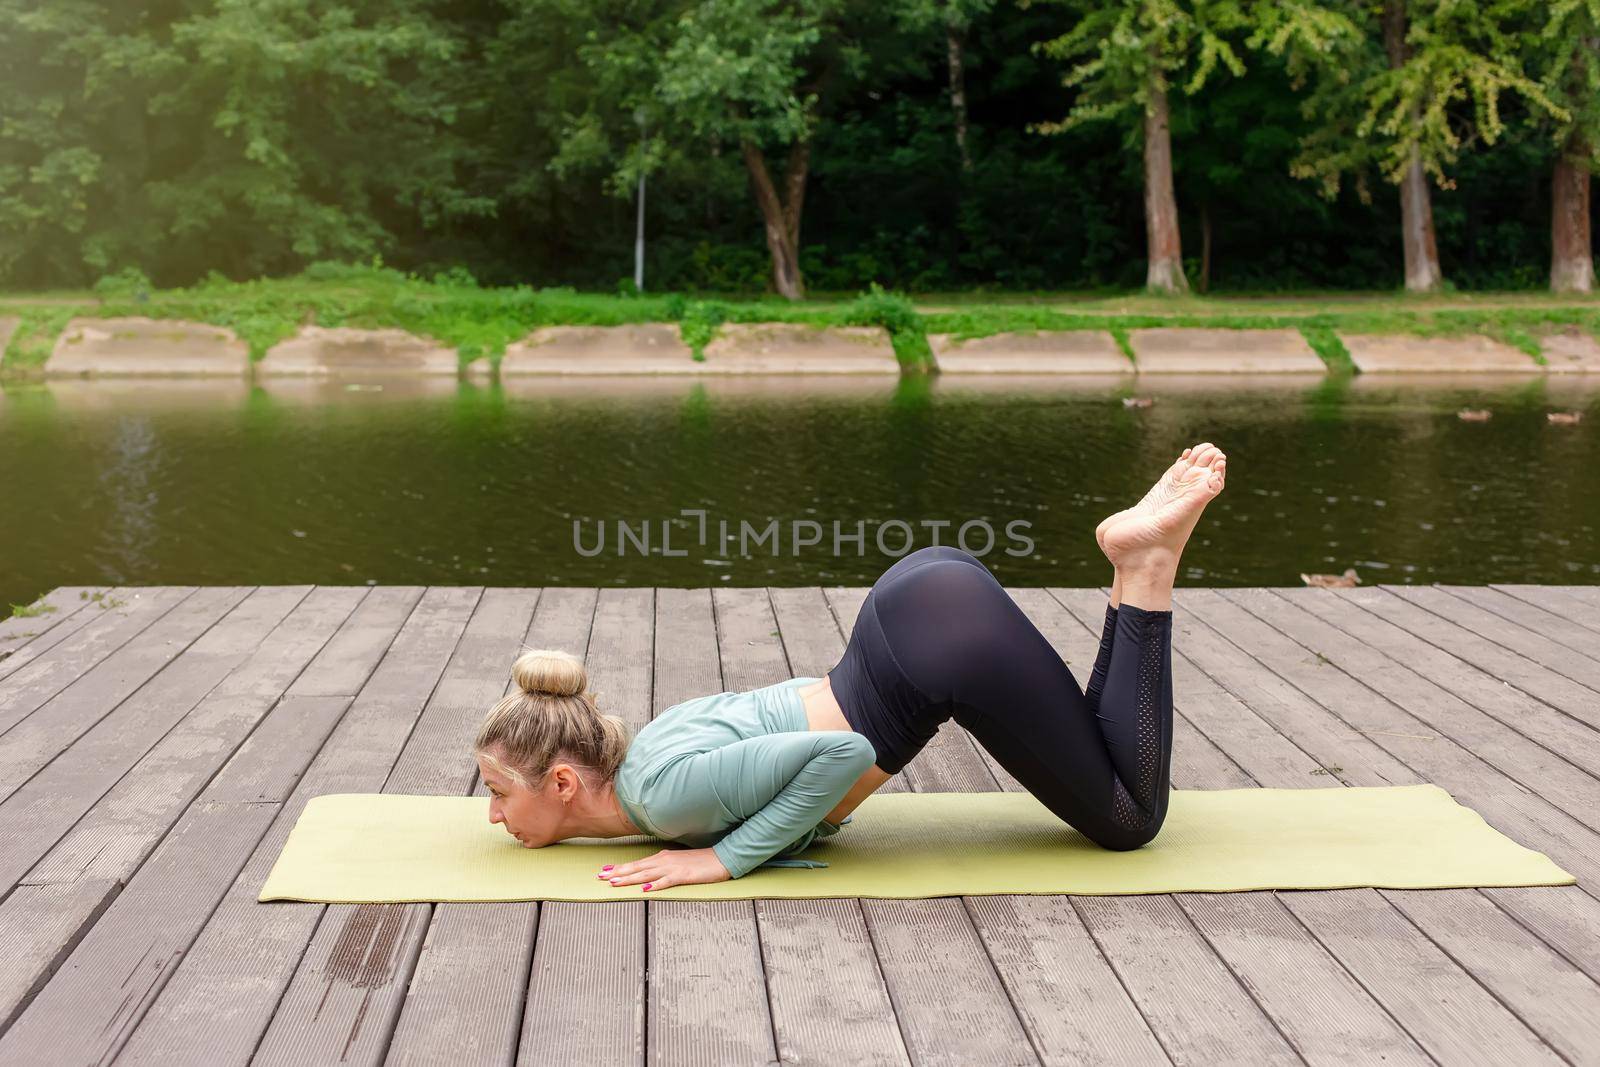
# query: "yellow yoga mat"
374,847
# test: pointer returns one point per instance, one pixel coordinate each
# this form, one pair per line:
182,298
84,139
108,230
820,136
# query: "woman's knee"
1126,840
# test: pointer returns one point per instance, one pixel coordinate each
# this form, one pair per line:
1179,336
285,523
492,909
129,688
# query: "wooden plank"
465,997
1320,1008
708,999
339,670
1544,751
589,961
923,944
1519,627
850,1017
1453,1013
1177,978
1557,1000
1511,807
1443,1005
220,998
1547,616
59,606
31,638
697,949
345,663
156,917
84,1013
47,808
1558,600
71,713
449,1010
1273,948
1066,992
344,998
35,684
1570,682
43,925
76,878
1567,918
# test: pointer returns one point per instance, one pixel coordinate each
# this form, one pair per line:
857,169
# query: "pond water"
154,483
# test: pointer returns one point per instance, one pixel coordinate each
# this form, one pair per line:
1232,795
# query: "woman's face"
530,817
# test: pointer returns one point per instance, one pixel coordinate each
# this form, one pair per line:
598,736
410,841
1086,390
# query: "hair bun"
551,671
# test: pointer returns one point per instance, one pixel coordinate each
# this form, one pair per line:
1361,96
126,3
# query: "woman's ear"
566,779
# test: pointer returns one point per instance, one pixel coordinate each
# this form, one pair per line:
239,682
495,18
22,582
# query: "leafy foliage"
500,141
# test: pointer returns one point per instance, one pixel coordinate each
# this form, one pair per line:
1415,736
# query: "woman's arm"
781,785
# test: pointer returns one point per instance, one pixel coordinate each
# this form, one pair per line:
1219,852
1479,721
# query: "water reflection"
443,481
127,475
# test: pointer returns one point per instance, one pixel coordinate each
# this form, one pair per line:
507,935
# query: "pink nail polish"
647,887
608,866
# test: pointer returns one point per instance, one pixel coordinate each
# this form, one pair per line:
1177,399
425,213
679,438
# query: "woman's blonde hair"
551,715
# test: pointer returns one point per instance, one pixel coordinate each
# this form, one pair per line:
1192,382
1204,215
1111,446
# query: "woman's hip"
918,647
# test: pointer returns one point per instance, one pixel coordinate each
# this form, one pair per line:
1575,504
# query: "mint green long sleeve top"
742,774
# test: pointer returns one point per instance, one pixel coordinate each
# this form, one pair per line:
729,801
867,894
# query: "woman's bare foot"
1166,488
1149,537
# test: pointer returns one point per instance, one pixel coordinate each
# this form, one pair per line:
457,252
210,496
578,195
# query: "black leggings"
937,636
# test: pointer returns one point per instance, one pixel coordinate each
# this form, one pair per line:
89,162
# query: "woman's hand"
669,867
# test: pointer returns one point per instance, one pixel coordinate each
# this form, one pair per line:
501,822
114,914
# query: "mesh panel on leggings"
1136,809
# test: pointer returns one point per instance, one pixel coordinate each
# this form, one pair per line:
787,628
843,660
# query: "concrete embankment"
139,347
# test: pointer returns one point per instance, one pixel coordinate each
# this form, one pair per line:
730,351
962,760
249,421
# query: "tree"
241,135
1394,95
1564,50
953,18
757,75
752,73
1126,57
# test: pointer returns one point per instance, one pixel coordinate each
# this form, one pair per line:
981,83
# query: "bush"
879,307
896,314
329,270
129,281
456,277
698,325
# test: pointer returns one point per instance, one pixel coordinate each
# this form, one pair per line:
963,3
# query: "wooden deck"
154,754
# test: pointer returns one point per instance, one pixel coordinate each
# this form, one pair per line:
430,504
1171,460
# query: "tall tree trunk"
1571,254
955,35
794,190
1416,224
1205,247
781,217
1165,274
1416,204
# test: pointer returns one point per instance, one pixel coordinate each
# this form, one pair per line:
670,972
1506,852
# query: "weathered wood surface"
157,745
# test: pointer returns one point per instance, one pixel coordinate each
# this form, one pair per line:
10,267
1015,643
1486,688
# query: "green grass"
31,611
480,322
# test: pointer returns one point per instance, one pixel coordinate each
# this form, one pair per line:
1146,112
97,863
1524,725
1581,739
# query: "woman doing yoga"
749,780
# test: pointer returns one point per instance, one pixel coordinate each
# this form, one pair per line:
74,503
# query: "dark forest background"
252,139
